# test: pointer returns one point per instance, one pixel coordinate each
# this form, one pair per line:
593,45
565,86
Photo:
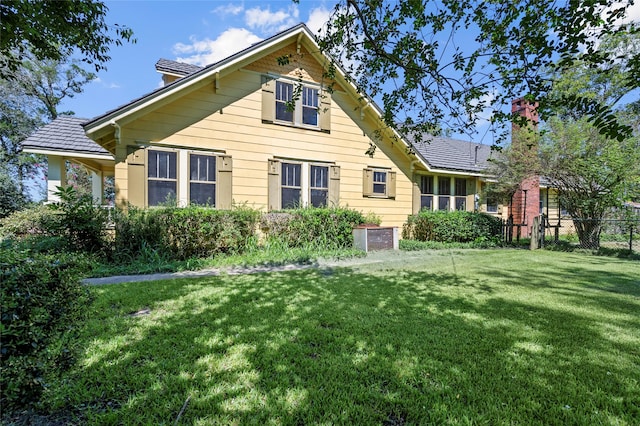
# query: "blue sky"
196,32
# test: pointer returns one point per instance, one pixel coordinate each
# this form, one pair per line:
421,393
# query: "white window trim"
297,112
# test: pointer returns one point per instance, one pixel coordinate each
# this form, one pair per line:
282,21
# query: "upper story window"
305,106
297,104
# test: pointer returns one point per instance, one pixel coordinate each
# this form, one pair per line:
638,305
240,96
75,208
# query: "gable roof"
64,135
112,116
453,154
180,69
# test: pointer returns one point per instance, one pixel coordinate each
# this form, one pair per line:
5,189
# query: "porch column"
56,176
97,187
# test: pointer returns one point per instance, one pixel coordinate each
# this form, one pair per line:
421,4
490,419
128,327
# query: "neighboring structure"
239,131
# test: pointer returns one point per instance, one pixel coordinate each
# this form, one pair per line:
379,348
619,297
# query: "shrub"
329,228
43,305
183,233
31,222
452,227
73,224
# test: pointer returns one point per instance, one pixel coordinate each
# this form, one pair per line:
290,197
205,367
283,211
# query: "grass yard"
443,337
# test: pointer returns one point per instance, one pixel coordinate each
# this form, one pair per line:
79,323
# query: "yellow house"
268,128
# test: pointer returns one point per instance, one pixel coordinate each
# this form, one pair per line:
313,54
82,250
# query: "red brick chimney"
525,203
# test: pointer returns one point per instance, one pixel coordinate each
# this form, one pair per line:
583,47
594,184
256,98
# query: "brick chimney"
525,203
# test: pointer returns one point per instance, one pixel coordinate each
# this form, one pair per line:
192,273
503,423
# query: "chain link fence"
613,234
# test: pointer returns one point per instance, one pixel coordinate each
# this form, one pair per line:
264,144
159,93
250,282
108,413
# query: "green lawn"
443,337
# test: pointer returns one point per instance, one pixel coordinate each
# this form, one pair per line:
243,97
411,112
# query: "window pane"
282,113
319,177
161,191
162,165
461,203
426,185
290,198
202,193
426,202
309,97
444,186
310,116
284,91
284,94
492,205
291,174
203,168
319,197
443,203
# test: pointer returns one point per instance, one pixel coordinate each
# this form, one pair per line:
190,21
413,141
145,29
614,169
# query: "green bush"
73,224
450,227
43,307
183,233
31,222
327,228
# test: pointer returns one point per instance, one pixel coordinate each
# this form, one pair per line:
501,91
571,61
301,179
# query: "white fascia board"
178,85
69,154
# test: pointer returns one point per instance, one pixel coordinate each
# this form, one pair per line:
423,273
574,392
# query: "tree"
593,172
440,64
27,101
55,30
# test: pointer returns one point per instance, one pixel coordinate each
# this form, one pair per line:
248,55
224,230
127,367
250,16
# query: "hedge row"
450,227
328,228
184,233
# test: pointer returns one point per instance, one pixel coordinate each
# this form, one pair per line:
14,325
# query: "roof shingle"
174,67
453,154
66,134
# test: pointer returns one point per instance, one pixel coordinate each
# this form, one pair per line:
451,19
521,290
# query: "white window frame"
149,179
298,112
213,182
305,181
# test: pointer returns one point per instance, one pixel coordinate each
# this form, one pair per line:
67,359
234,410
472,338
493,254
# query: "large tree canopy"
439,64
53,29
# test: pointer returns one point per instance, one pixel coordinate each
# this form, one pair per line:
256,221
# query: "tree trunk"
588,231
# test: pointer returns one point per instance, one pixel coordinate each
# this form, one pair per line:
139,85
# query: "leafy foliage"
43,307
54,30
449,227
422,60
182,233
327,228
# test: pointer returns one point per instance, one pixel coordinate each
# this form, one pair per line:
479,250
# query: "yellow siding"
228,119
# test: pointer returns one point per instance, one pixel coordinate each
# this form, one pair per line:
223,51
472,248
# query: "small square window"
379,183
444,203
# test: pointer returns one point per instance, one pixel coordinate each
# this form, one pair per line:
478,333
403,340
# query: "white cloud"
268,22
207,51
105,84
229,9
318,18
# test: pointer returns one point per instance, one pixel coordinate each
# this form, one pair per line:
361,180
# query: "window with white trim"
379,183
291,185
162,177
305,106
294,184
202,179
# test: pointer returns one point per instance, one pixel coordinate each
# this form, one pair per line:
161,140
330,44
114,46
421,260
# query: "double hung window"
202,179
426,192
461,194
444,192
296,105
291,185
162,177
319,186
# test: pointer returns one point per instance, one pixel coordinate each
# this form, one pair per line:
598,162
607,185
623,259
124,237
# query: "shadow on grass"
339,346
